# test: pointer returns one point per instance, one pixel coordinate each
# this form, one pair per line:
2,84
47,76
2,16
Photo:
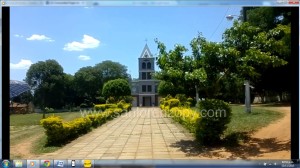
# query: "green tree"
116,88
268,17
174,65
278,21
110,70
70,92
247,51
215,63
87,81
165,88
47,80
263,53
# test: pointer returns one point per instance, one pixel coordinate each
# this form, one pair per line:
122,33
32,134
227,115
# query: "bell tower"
146,64
144,90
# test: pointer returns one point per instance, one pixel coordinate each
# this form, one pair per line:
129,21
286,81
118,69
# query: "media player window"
222,79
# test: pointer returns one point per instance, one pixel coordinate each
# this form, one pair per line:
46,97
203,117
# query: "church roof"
146,52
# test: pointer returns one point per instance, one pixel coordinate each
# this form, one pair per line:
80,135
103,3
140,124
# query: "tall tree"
70,91
89,80
110,70
47,80
174,65
277,20
247,51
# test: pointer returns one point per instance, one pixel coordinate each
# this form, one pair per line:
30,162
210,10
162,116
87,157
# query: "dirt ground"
275,139
24,149
271,142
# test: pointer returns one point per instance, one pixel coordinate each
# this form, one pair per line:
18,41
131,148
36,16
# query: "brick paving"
142,133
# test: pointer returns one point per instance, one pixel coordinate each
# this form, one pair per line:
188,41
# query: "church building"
144,89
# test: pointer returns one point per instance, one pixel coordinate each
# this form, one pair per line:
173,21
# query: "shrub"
185,116
54,129
58,132
191,101
168,97
121,104
127,99
101,100
103,107
100,118
128,106
111,106
186,104
173,103
169,102
161,101
77,127
112,113
215,115
181,98
92,117
81,125
49,110
116,88
110,100
125,106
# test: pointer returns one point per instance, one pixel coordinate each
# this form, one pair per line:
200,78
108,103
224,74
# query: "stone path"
143,133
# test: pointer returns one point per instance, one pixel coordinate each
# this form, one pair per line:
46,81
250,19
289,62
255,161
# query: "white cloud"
18,36
84,57
40,38
23,64
86,42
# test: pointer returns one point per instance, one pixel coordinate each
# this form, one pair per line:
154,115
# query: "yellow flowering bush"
54,129
103,107
59,132
185,116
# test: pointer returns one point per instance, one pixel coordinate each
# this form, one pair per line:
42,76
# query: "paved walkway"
143,133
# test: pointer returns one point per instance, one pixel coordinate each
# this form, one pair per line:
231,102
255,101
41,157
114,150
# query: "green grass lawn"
34,118
25,126
249,122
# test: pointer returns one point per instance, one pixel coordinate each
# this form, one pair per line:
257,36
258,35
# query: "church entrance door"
147,101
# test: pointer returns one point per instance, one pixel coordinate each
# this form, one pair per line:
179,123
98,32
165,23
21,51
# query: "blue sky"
78,36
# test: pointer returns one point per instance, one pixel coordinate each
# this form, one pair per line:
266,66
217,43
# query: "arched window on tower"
143,65
148,65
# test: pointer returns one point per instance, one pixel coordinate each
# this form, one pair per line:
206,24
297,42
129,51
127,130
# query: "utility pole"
247,96
197,94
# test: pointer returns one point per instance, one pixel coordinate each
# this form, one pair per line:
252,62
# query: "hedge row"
121,104
208,123
185,116
178,101
103,107
59,132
